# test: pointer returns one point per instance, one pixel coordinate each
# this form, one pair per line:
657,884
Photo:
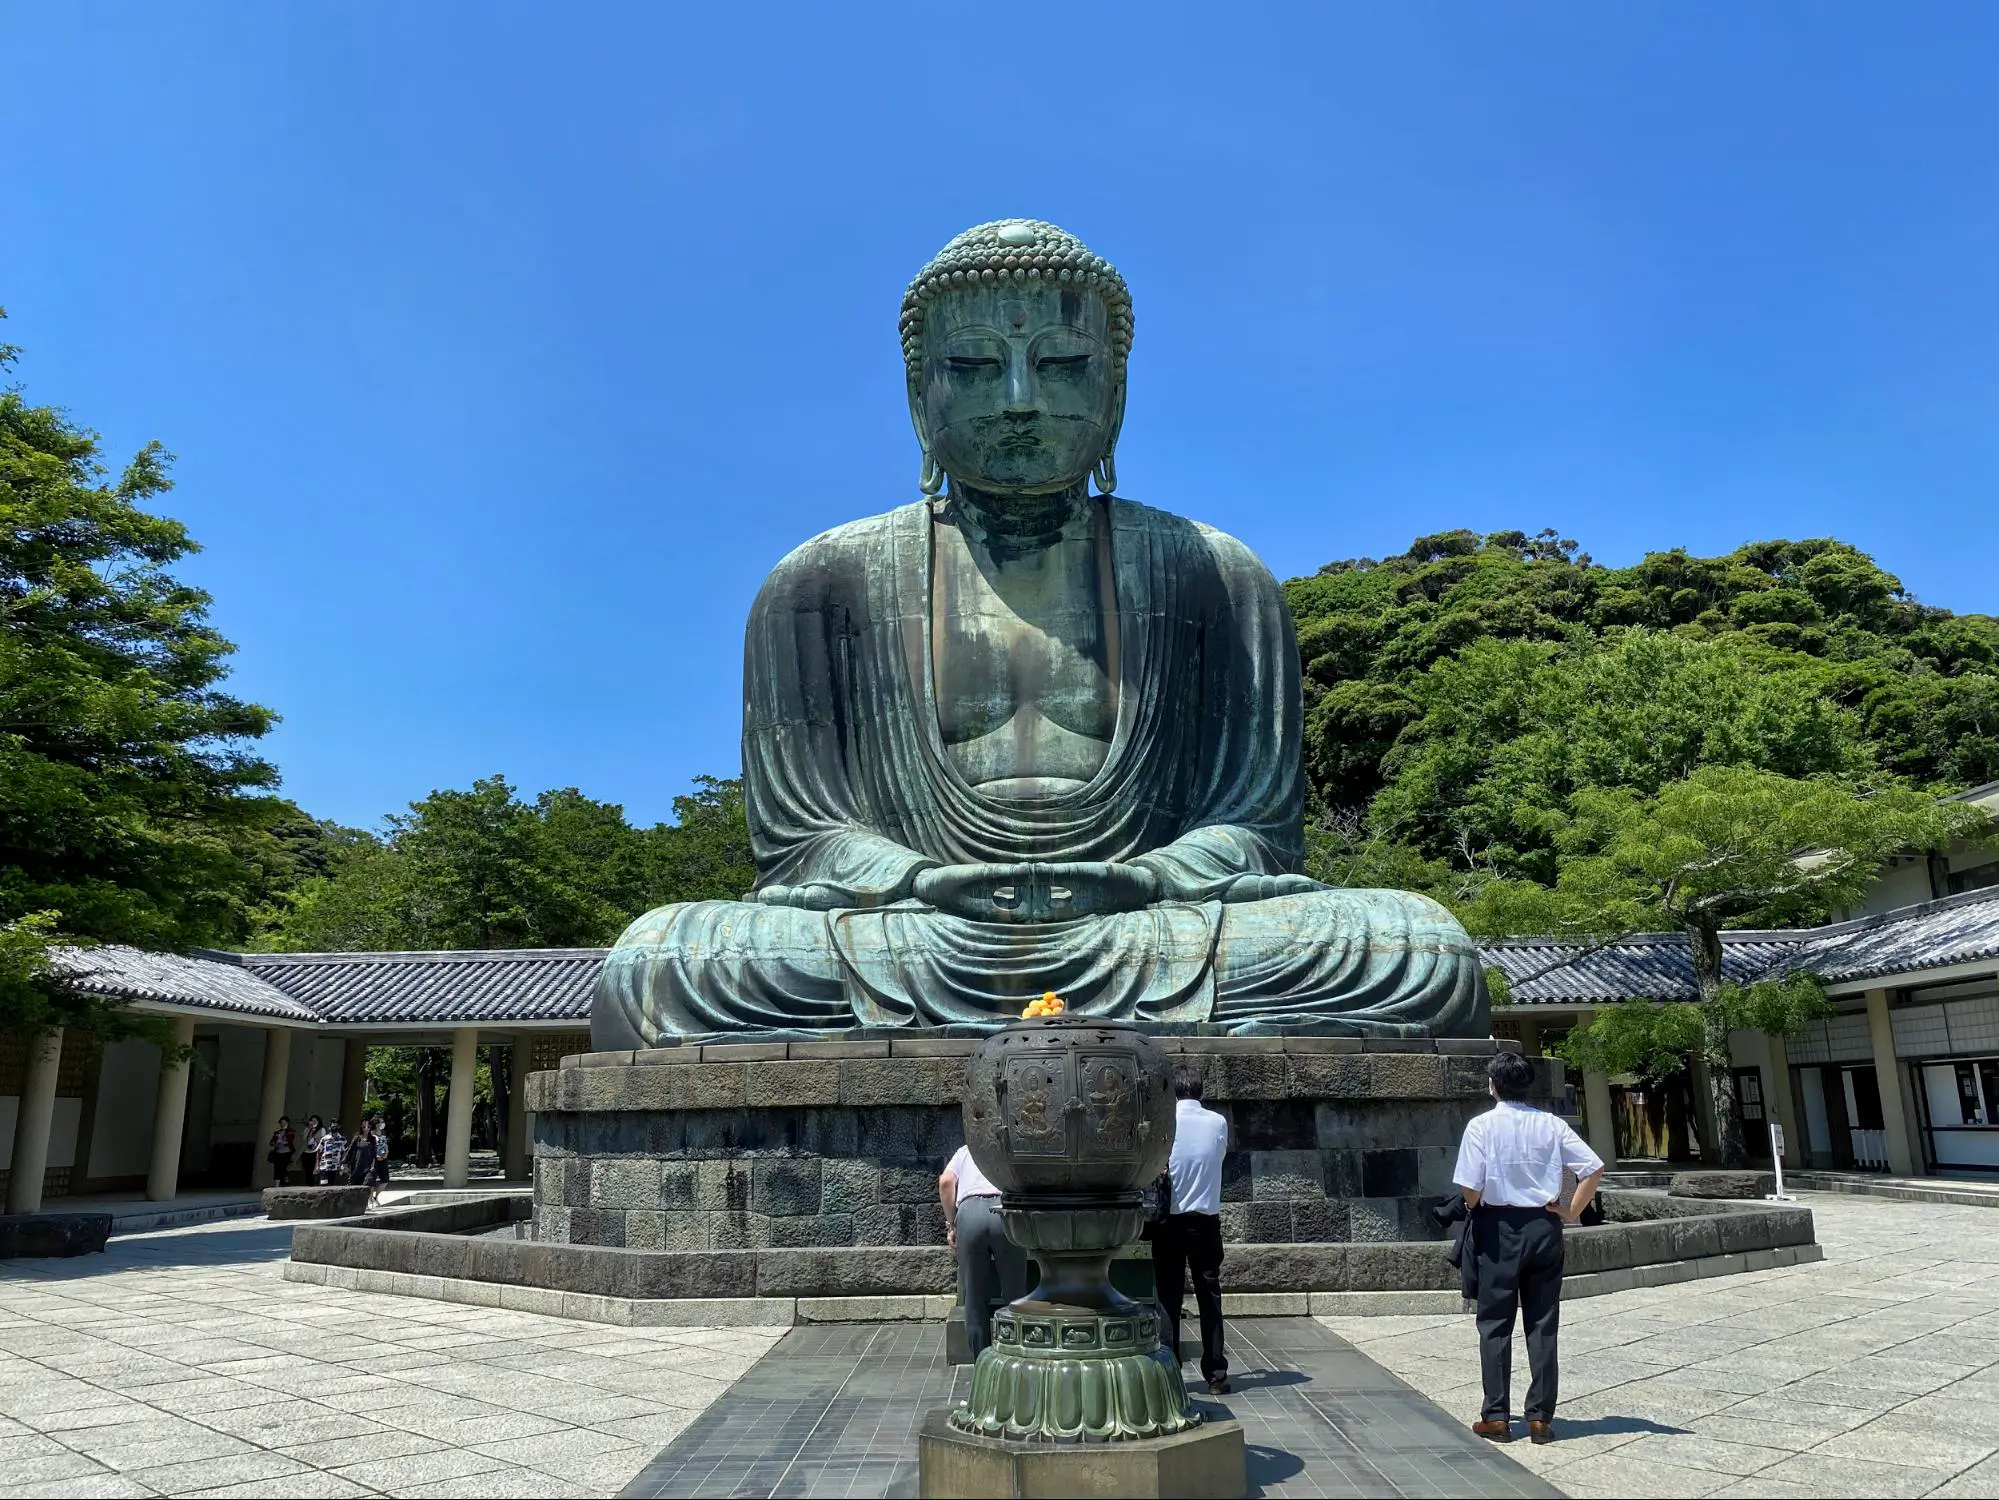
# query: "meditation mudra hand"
1019,737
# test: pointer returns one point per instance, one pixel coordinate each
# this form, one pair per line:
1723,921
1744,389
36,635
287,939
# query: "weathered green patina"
1019,737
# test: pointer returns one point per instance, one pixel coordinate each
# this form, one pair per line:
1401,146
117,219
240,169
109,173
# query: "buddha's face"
1020,394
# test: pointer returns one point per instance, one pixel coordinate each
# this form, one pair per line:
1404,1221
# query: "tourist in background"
991,1268
361,1157
332,1155
381,1131
282,1148
1189,1238
309,1156
1510,1166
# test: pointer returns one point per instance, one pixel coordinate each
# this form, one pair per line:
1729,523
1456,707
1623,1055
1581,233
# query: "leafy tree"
132,809
485,869
1921,684
1725,846
1510,732
704,855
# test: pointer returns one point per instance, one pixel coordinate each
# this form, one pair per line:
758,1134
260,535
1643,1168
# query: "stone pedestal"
315,1202
753,1145
1205,1461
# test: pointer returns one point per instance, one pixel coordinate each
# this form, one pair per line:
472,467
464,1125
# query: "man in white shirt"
992,1270
1510,1165
1190,1236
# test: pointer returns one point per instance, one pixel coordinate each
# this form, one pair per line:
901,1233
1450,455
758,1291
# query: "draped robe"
850,791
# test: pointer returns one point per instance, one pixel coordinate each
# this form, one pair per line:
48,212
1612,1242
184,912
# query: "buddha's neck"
1018,523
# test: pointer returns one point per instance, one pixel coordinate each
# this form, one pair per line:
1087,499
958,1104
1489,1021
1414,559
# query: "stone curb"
628,1312
786,1312
1812,1182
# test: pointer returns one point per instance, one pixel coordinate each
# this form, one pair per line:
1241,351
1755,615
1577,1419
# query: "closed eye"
1053,361
972,362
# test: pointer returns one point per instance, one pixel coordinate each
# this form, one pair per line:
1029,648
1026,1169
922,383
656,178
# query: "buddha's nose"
1020,387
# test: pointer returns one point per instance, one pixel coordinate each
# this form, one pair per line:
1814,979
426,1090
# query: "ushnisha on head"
1015,338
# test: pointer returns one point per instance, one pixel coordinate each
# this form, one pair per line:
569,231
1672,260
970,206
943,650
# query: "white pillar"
34,1123
1786,1103
277,1073
517,1107
1597,1117
458,1108
170,1116
1902,1158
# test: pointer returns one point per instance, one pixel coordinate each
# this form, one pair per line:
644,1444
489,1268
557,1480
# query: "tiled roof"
1955,930
515,986
417,989
170,978
1644,966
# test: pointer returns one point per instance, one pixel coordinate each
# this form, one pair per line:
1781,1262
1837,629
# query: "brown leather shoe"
1496,1430
1540,1432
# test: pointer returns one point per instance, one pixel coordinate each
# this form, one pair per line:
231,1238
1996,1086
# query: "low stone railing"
439,1251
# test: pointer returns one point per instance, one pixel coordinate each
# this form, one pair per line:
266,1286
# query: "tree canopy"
1459,696
486,869
133,807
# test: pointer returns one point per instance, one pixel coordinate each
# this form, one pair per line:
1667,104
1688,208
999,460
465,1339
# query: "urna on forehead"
1025,253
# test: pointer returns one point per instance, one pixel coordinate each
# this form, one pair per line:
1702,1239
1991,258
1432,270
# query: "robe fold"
850,792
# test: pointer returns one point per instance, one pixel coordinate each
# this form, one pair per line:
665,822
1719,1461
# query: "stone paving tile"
1875,1371
500,1482
59,1464
385,1443
209,1473
185,1358
1828,1474
417,1468
307,1484
99,1486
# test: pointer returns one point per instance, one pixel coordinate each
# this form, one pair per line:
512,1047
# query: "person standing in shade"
309,1154
332,1156
361,1157
1189,1238
991,1268
1510,1166
283,1147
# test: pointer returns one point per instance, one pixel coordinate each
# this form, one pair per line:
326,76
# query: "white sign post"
1777,1160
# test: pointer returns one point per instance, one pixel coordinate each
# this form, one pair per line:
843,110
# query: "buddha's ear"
931,479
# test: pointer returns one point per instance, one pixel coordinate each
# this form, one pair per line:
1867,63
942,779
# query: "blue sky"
505,348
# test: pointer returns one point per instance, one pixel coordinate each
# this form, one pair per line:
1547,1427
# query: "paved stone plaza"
1874,1372
181,1363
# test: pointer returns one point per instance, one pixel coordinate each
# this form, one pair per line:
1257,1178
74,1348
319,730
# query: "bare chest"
1023,656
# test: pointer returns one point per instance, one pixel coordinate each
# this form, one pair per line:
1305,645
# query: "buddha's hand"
1036,892
1266,887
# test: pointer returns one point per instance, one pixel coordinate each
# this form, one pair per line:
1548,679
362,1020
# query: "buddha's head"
1015,339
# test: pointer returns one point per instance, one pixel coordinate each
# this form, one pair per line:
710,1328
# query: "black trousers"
1519,1273
991,1268
1183,1243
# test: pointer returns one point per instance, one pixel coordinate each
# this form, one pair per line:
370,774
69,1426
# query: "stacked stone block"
776,1144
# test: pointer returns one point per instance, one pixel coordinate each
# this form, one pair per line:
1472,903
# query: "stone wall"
753,1145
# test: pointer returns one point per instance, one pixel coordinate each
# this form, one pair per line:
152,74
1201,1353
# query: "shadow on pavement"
1580,1427
230,1243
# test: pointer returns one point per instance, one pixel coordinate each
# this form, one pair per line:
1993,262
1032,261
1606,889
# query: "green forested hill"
1459,693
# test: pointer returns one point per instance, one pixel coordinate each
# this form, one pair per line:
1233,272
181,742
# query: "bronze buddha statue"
1018,736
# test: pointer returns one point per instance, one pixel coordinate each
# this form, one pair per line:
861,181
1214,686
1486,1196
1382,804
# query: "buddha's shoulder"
845,554
1229,553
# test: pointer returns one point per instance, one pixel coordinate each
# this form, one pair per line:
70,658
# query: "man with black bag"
1510,1166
